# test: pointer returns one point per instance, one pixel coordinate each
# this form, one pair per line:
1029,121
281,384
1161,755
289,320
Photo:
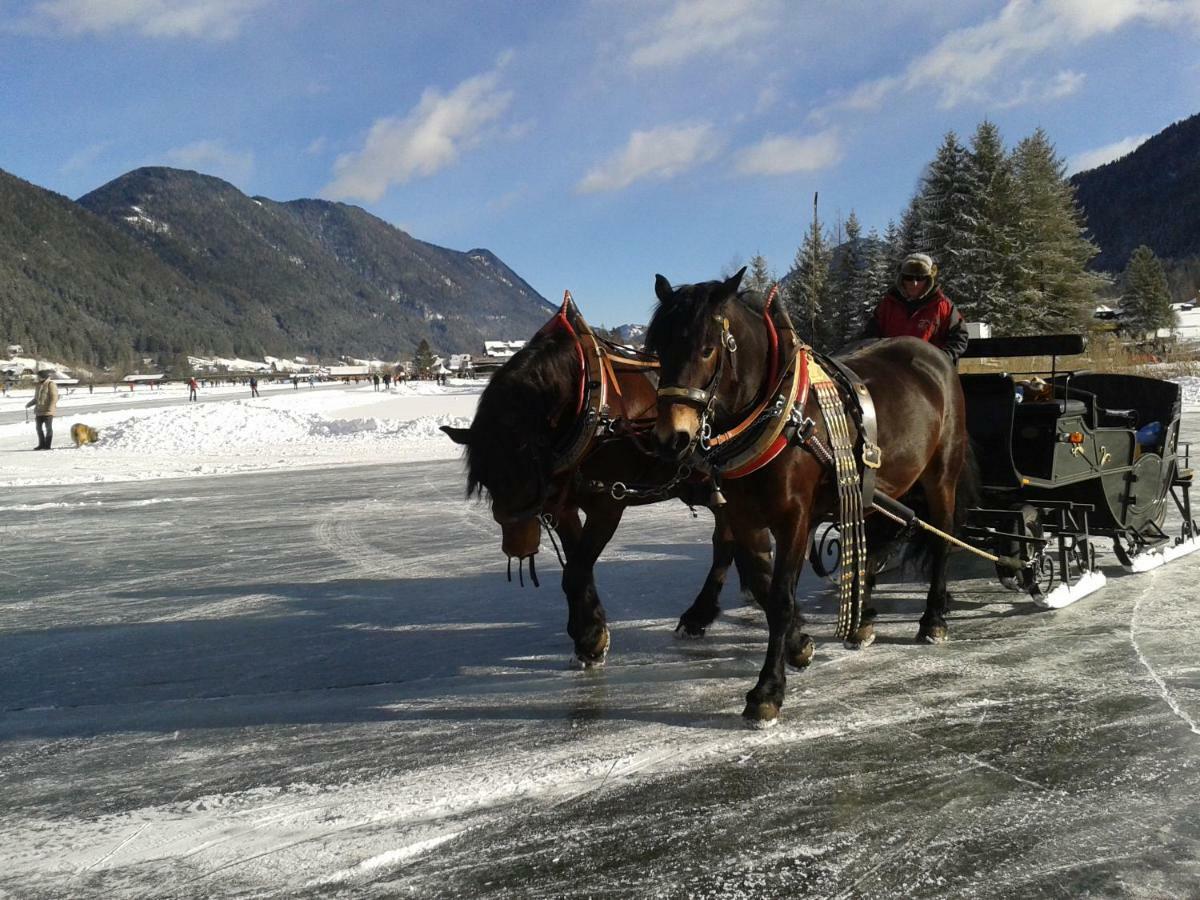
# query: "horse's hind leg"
939,492
882,540
587,623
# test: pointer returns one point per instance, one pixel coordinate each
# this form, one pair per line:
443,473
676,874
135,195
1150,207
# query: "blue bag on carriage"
1149,435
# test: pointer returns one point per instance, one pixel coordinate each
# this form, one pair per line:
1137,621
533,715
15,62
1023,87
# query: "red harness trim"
772,338
782,441
561,321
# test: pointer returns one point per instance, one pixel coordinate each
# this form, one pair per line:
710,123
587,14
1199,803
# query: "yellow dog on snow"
84,434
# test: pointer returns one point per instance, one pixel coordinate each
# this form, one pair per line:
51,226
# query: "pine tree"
808,290
1056,292
849,298
424,359
879,272
1146,306
759,277
946,205
988,288
907,237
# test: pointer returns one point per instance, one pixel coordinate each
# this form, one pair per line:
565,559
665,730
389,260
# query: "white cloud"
317,146
695,27
83,159
783,155
213,158
1064,84
1090,159
966,63
215,19
659,153
422,143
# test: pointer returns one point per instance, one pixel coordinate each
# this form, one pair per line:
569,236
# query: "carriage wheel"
825,554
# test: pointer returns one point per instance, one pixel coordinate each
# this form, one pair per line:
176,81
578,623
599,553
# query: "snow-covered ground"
297,676
148,433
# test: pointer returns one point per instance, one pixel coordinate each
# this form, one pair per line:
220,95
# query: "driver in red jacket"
917,307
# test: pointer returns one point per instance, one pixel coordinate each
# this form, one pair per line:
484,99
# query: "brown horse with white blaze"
716,354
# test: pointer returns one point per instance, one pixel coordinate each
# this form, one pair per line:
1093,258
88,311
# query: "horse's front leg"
764,701
587,623
705,608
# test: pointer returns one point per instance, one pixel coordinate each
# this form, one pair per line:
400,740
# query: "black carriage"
1067,456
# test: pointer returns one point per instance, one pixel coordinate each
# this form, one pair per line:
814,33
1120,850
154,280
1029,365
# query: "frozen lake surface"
317,682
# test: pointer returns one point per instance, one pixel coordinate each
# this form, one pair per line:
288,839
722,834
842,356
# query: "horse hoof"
863,638
933,634
686,632
799,657
760,715
592,659
582,663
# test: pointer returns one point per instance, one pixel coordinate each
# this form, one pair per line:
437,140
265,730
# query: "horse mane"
687,308
513,420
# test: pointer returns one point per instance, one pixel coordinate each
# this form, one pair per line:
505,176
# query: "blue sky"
589,144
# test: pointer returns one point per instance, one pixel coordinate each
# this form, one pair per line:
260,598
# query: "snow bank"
163,436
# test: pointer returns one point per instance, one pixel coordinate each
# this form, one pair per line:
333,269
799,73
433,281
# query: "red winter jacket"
932,318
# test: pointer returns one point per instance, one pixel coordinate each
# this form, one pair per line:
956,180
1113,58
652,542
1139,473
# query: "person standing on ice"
253,386
192,388
45,401
916,307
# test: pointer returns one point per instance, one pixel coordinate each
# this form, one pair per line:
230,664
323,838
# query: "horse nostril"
682,440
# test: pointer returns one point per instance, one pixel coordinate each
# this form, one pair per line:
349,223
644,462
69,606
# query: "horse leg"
752,556
939,493
705,608
765,699
587,623
882,537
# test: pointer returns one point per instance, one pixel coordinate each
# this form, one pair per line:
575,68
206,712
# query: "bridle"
704,399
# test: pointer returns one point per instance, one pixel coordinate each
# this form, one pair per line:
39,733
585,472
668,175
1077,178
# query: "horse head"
510,444
709,346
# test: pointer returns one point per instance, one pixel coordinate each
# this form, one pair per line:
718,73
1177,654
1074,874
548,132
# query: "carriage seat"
1118,418
1067,407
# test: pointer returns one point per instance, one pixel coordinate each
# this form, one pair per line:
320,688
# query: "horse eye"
707,352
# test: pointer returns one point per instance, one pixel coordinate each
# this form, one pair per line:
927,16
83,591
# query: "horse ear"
662,290
735,280
458,435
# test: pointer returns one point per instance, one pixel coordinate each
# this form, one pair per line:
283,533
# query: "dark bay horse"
715,352
532,451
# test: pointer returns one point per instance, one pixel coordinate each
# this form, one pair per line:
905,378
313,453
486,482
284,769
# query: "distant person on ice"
375,378
916,306
45,401
253,386
192,388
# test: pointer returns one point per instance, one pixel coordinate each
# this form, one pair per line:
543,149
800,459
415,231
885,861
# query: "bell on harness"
716,498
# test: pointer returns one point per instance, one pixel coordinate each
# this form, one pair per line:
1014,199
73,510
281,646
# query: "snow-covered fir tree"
1056,293
848,294
808,290
1146,304
988,285
879,274
759,276
947,205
